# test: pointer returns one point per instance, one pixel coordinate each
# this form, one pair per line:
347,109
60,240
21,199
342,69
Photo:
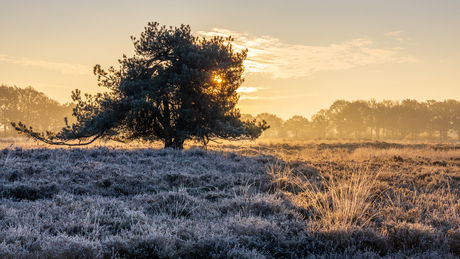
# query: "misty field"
301,199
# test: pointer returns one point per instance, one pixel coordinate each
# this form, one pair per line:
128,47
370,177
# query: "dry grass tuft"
335,202
341,203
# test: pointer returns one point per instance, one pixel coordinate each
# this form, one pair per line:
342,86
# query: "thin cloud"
249,89
243,97
394,33
407,59
269,55
400,39
74,69
405,41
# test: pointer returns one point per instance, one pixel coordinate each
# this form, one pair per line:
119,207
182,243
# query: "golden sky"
302,56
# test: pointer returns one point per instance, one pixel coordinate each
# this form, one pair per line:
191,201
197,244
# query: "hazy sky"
302,56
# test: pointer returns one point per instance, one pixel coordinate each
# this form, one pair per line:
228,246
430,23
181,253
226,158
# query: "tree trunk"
178,143
167,125
4,124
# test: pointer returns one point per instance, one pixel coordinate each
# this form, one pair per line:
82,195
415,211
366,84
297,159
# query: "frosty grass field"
265,199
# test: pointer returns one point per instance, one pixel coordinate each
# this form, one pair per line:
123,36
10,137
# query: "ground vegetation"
270,199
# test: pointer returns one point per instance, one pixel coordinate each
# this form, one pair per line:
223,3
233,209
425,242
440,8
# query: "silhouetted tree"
413,116
64,111
444,117
175,87
355,117
298,126
430,126
376,117
246,117
35,108
9,104
320,123
276,124
32,106
337,119
390,119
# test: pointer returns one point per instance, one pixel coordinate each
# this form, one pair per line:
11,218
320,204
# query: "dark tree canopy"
175,87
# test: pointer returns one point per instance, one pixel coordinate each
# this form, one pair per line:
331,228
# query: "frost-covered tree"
175,87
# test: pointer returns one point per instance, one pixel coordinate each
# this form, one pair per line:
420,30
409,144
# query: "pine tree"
175,87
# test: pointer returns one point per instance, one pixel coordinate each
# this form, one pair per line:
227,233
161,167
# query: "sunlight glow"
218,79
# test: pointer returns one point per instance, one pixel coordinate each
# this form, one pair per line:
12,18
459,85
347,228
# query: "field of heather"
265,199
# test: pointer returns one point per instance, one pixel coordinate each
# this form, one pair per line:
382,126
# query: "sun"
218,79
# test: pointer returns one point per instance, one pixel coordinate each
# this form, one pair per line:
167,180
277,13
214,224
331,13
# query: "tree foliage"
175,87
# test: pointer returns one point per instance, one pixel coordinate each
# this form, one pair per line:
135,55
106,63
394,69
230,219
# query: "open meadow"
264,199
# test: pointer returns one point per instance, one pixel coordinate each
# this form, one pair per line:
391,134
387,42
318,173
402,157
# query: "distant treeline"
31,107
406,119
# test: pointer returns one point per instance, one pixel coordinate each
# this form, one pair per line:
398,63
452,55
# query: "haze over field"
302,56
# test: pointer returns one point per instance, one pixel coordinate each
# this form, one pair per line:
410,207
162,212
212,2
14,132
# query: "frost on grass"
325,203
